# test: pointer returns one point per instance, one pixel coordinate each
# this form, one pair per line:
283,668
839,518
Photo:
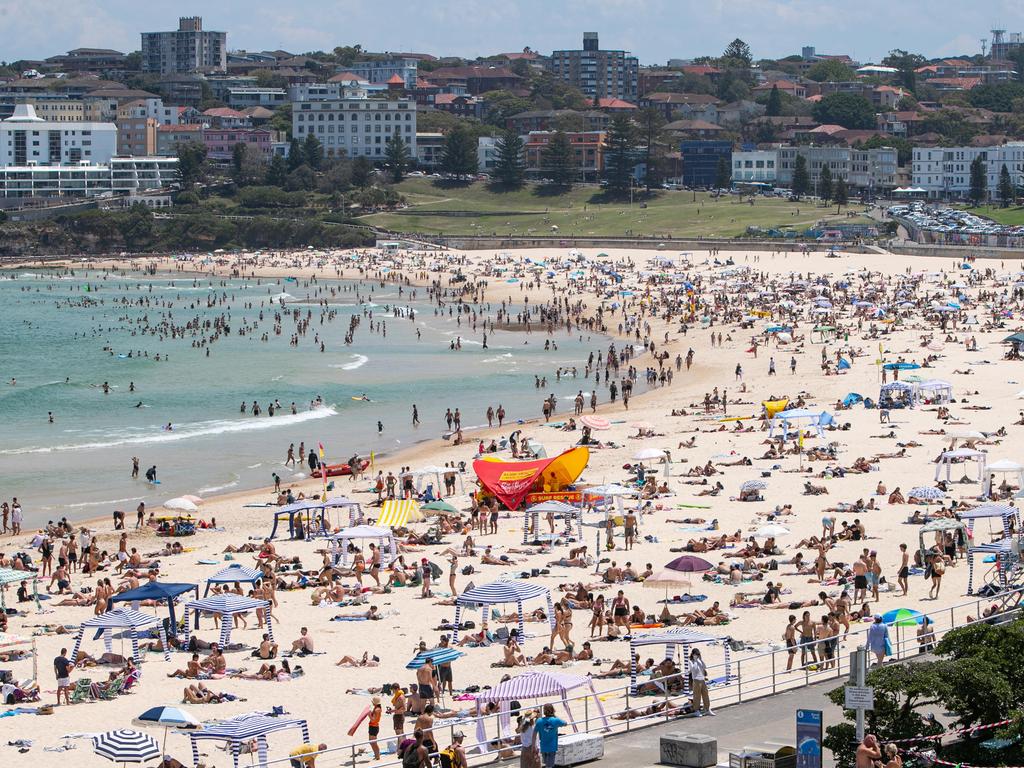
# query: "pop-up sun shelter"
121,619
383,536
241,729
236,573
225,606
503,592
511,481
14,576
294,512
799,418
531,518
154,590
677,638
532,685
960,456
1002,467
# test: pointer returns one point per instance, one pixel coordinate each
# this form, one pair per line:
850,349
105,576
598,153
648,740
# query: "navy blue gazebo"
234,573
154,590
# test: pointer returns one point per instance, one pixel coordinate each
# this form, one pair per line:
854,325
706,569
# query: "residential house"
170,137
477,79
462,106
26,138
220,142
225,118
588,152
549,119
429,147
382,70
243,98
356,127
945,172
754,165
683,105
694,129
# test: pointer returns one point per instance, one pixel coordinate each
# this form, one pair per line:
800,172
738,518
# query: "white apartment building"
755,165
382,70
859,168
945,172
119,176
27,139
356,127
873,168
243,98
486,153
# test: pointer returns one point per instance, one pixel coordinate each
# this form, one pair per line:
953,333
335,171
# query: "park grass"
587,211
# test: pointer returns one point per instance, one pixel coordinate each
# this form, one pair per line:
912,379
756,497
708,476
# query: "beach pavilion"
236,731
503,593
531,518
1006,553
225,606
121,619
1003,467
960,456
532,685
236,573
154,590
675,639
384,537
294,513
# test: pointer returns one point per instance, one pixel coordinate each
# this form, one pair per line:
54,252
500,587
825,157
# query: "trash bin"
764,756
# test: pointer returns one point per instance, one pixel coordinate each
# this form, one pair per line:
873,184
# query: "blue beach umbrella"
437,656
902,617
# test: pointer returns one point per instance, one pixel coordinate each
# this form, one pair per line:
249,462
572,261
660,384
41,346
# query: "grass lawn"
1012,216
584,211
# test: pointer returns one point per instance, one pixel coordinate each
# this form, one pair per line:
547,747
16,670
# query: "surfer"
138,404
151,474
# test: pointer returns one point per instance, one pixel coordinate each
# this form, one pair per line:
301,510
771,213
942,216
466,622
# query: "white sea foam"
186,432
218,488
103,503
358,361
498,358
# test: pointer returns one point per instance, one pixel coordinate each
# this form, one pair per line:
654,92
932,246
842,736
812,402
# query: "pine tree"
277,171
825,184
651,124
313,152
979,180
841,195
295,157
558,161
459,156
619,157
801,181
362,171
774,106
1006,190
508,167
398,156
723,174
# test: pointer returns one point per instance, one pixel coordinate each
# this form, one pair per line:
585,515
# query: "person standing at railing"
547,732
699,685
878,639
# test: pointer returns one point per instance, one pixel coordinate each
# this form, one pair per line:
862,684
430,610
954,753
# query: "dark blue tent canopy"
154,590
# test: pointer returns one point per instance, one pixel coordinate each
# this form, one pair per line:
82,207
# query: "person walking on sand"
699,685
904,572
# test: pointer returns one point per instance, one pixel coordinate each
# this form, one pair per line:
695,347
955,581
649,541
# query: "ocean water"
64,335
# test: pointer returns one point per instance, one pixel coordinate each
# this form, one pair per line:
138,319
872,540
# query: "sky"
654,30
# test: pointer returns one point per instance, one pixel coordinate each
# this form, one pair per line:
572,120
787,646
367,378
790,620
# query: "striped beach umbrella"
437,656
126,746
753,485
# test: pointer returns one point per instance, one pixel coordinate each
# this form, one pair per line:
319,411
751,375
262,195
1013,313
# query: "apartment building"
137,122
598,73
220,142
755,165
587,146
945,172
358,127
26,139
429,147
170,137
118,176
860,168
190,48
244,98
382,70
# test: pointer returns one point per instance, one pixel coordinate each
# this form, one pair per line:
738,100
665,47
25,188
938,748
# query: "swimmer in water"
138,404
169,428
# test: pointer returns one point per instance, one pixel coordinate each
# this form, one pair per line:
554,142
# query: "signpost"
859,697
808,738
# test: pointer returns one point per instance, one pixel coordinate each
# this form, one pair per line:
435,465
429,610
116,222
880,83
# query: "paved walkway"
769,719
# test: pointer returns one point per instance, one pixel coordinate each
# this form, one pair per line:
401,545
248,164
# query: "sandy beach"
968,353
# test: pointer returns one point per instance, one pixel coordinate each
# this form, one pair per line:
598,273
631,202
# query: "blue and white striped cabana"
234,573
1005,557
289,511
1010,516
121,619
225,606
503,592
674,639
243,728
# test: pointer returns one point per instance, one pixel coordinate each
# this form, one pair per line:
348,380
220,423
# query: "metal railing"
775,679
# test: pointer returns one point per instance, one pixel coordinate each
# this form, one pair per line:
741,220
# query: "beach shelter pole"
568,712
458,623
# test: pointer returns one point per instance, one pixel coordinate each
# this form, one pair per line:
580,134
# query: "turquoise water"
63,336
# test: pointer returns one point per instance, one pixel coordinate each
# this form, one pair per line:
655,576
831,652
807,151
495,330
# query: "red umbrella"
689,564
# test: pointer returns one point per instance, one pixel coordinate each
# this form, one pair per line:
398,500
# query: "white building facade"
25,138
755,165
357,127
119,176
859,168
945,172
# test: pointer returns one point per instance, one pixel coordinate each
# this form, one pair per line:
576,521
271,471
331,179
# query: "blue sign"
808,738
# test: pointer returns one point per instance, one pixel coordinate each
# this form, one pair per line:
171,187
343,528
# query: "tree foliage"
841,194
801,179
459,154
313,152
619,155
997,97
723,173
1006,190
508,166
825,183
774,106
845,109
831,70
398,156
979,180
737,54
558,161
191,163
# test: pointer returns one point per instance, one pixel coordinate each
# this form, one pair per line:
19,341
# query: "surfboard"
362,716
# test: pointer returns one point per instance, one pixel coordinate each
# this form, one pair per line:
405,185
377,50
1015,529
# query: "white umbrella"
648,454
753,485
771,530
197,500
181,504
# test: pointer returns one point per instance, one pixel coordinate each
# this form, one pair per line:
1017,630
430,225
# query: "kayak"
334,470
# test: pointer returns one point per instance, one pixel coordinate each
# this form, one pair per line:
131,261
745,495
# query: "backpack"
446,757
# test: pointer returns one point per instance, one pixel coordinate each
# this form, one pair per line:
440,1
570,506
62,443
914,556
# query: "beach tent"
14,576
9,641
961,455
234,573
676,639
532,685
121,619
503,592
799,418
225,606
397,513
852,398
1006,553
935,391
243,728
1003,467
896,394
511,481
531,518
939,525
383,536
294,512
154,590
1009,515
